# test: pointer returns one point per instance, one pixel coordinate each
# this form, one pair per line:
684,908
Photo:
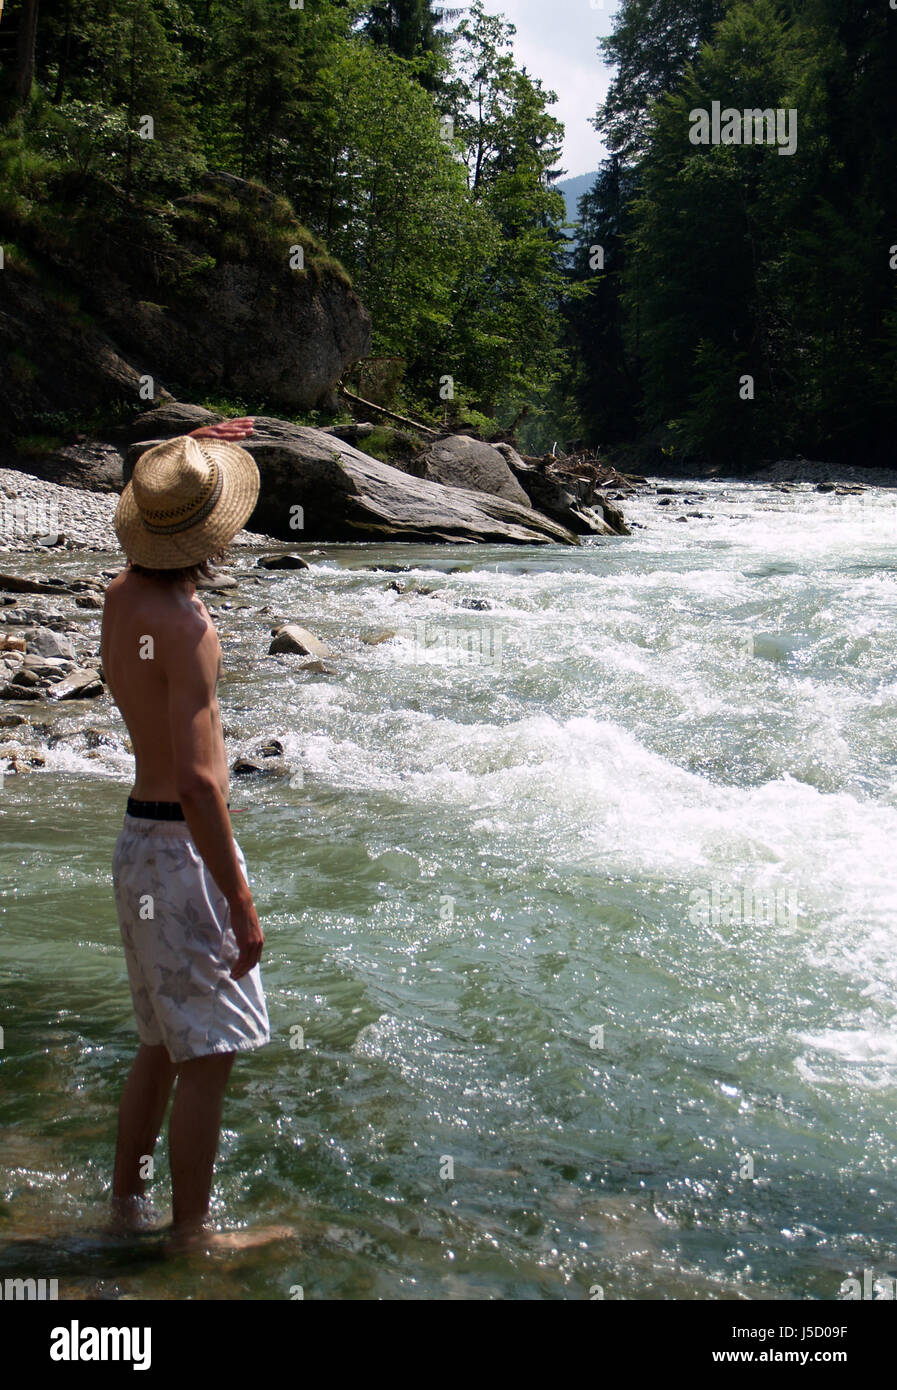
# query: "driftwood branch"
381,410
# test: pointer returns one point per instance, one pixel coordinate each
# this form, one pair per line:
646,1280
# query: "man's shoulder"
184,622
160,609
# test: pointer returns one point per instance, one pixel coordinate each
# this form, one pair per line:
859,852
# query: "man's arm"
192,667
228,429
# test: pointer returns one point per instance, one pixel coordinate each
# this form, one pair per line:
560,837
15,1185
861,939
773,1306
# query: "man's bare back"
150,628
162,661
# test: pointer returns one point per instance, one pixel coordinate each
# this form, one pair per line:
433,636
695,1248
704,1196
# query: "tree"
651,44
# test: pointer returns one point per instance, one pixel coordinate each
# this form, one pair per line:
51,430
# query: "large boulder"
167,420
249,324
316,486
88,463
459,461
234,313
54,359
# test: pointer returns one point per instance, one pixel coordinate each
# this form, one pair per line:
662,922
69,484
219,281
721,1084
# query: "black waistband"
157,810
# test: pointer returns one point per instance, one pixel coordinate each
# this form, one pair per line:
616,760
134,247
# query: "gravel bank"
36,516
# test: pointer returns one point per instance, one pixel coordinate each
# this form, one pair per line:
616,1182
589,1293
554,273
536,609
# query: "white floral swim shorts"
180,946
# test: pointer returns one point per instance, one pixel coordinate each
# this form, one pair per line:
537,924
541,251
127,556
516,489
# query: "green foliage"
341,110
732,260
37,445
382,444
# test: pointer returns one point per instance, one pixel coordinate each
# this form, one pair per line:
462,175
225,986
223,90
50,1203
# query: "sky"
557,40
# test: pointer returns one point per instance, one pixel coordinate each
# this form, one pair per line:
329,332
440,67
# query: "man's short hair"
192,573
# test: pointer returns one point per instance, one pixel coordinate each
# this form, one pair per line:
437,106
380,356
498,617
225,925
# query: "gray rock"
21,692
45,642
167,420
51,668
293,639
567,501
83,684
316,668
258,328
18,584
24,677
86,582
28,617
373,639
612,515
217,583
460,461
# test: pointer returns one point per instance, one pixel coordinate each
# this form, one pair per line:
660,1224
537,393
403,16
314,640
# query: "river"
581,924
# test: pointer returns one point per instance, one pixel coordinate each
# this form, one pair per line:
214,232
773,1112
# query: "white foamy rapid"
647,787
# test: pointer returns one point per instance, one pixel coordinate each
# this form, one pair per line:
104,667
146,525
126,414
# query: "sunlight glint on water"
605,913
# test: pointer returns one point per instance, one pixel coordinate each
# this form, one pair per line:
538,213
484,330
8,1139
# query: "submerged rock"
316,668
282,562
243,767
21,757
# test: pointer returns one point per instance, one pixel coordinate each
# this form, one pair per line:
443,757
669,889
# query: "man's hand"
228,429
250,937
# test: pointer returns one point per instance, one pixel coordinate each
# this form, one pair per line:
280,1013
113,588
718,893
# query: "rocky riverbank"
320,484
37,515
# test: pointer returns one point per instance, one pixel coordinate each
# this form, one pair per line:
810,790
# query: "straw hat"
186,499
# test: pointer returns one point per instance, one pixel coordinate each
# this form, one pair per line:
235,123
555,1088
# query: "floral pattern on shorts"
180,946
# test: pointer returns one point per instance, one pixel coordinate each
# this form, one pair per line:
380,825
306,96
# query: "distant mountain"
573,190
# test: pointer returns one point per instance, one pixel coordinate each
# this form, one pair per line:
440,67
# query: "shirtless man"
191,934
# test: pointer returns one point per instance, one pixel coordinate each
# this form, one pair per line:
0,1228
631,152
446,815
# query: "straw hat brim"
235,505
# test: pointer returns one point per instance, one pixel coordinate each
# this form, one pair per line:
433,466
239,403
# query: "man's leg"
193,1135
143,1101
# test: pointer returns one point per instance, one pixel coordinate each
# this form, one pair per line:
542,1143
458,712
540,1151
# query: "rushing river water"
582,905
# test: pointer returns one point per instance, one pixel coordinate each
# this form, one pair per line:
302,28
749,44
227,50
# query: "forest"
721,301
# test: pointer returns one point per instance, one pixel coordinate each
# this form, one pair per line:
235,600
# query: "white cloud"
557,40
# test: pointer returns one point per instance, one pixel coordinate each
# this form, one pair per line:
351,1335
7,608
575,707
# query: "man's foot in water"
134,1216
192,1240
